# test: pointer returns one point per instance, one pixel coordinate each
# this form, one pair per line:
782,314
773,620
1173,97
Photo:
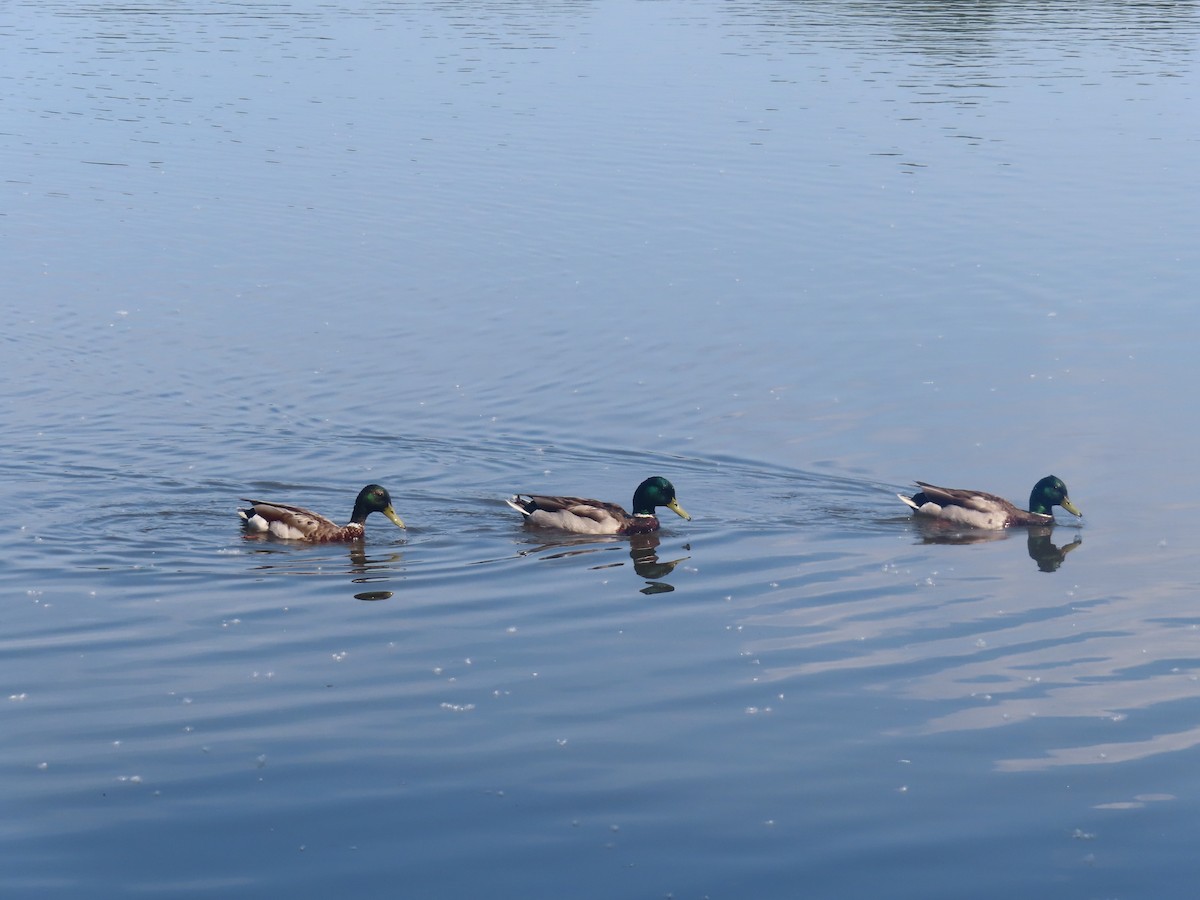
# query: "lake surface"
791,256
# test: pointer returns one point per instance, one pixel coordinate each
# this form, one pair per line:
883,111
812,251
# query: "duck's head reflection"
363,567
371,569
1042,550
643,551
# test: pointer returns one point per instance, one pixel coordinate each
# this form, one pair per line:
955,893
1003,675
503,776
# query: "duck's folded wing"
295,516
977,500
580,506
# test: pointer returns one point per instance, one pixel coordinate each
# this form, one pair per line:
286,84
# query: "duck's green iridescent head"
655,492
374,498
1048,493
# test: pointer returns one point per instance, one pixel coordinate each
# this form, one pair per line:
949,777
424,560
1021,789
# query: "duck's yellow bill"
1070,507
674,507
391,514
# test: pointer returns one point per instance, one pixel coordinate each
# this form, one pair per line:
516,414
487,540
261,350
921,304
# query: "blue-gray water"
790,255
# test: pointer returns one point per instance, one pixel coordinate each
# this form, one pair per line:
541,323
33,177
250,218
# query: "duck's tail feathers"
520,505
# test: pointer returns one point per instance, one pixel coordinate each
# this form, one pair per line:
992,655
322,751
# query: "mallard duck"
298,524
596,517
977,509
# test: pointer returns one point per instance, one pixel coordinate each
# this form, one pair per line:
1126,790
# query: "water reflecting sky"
791,255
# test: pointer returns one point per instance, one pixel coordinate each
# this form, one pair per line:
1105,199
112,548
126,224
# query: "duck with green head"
294,523
978,509
584,516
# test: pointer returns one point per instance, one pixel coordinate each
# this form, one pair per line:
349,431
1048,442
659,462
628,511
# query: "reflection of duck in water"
978,509
378,568
643,550
1043,551
934,531
584,516
298,524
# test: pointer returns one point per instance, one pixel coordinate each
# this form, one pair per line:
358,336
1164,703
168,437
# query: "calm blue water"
790,255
